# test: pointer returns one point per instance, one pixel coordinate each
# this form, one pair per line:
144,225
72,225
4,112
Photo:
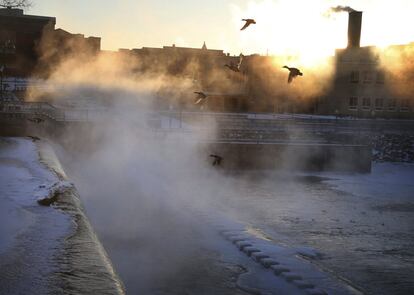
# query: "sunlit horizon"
294,28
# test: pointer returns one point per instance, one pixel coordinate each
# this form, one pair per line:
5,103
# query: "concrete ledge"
249,250
289,276
278,269
316,292
303,284
259,256
242,244
268,262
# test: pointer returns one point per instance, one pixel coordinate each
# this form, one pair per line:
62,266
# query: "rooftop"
15,12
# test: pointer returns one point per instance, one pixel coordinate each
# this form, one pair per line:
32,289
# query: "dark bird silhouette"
201,97
248,22
34,138
36,120
217,159
233,67
293,73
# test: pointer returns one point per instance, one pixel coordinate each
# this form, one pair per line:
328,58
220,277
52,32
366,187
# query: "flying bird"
36,120
217,159
293,73
233,67
248,22
34,138
201,96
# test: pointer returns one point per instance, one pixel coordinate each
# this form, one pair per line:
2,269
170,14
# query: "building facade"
367,82
24,40
19,36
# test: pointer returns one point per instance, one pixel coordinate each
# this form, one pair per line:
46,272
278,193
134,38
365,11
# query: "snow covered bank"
387,181
45,250
362,224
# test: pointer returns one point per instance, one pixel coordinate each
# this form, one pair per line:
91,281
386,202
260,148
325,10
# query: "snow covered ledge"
46,249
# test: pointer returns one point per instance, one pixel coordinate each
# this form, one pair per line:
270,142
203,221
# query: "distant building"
22,41
57,45
199,69
19,36
364,84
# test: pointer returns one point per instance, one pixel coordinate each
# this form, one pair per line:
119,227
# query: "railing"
34,108
187,121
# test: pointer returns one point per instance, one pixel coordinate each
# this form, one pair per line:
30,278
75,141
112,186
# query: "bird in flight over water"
217,160
201,96
248,22
233,67
293,73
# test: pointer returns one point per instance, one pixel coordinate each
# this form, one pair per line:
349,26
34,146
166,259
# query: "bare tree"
15,3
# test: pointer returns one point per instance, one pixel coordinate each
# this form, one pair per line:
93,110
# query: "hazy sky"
283,26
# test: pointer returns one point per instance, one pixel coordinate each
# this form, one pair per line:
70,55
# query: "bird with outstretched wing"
234,67
248,22
293,73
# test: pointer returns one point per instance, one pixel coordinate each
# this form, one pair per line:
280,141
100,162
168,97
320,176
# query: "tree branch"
15,3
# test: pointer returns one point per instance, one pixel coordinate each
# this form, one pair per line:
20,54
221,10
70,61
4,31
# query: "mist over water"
146,193
141,188
149,194
143,192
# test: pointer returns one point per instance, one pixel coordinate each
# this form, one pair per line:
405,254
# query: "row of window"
16,87
378,104
368,77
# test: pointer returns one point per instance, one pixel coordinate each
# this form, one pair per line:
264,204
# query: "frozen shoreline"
23,179
46,249
31,235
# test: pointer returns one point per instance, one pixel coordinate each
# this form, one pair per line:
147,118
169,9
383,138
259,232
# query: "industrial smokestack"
354,28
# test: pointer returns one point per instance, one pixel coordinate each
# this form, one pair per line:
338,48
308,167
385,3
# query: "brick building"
20,34
22,41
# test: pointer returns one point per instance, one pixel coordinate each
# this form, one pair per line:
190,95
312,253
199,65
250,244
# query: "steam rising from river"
141,189
141,192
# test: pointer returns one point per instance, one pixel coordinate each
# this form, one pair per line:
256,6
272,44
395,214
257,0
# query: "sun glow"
297,30
305,34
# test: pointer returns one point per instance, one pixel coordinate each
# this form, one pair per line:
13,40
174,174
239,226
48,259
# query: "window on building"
404,105
379,103
367,76
8,41
392,104
353,103
380,77
354,77
366,103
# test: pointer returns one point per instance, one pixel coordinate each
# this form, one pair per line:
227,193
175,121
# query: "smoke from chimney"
354,23
340,8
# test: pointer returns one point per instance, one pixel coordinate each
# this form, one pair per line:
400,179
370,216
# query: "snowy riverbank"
38,244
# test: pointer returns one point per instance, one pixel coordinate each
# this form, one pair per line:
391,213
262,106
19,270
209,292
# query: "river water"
363,224
156,234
